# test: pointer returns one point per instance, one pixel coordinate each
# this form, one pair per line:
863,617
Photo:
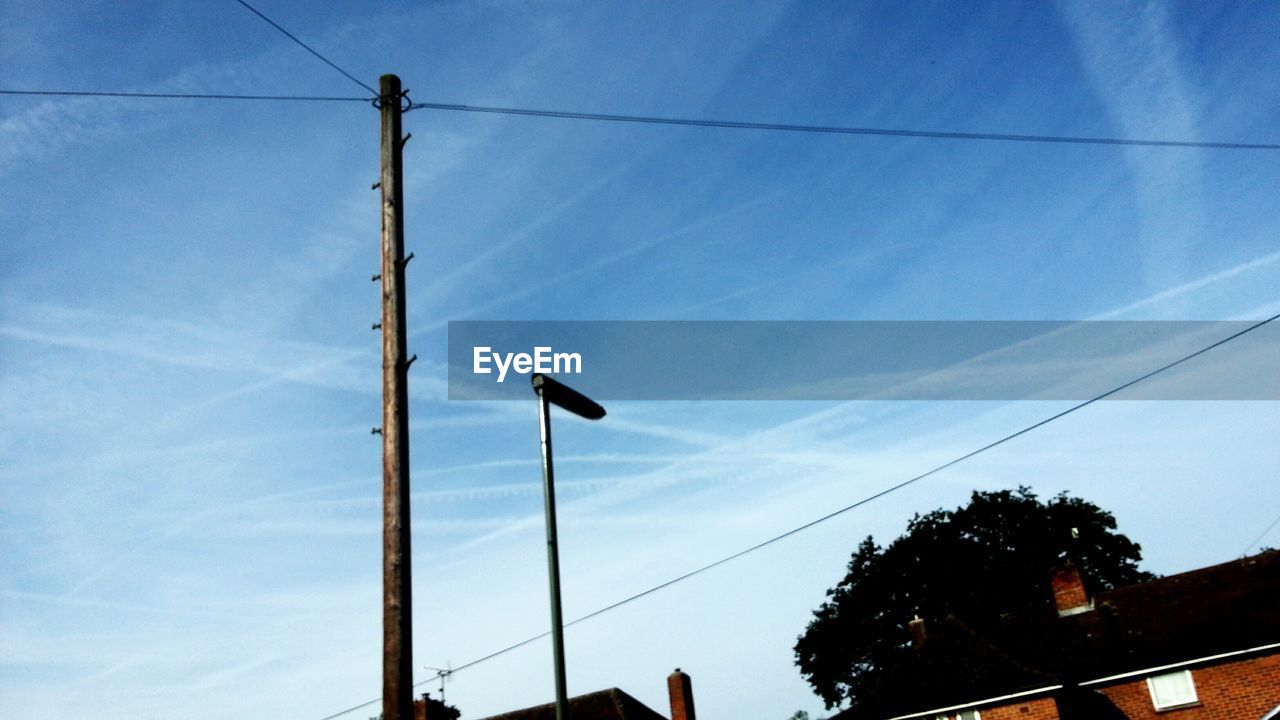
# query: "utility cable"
181,96
307,47
733,124
1260,536
847,508
843,130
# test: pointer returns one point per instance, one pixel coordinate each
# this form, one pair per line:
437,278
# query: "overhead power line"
732,124
1260,536
847,508
307,47
743,125
182,96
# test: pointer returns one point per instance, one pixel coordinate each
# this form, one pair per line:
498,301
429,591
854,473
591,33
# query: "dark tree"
429,708
434,709
984,562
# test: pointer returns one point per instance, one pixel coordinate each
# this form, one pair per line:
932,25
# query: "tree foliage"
432,709
982,562
438,710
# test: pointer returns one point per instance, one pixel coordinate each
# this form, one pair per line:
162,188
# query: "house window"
1172,690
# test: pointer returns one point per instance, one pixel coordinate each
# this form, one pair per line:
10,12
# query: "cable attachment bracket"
403,98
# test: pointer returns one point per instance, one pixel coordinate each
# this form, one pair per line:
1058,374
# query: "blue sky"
188,487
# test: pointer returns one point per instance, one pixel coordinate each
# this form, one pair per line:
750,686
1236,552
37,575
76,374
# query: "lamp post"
552,392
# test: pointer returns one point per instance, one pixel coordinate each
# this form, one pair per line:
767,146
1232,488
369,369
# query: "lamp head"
557,393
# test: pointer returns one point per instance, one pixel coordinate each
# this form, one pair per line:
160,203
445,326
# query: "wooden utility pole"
397,597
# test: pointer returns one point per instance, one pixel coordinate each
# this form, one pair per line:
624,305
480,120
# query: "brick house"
614,704
1201,645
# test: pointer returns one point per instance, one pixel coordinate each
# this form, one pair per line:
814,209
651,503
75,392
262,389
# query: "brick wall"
1241,690
1038,709
680,692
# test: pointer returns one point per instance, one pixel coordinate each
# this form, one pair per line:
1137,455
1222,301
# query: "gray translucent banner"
871,360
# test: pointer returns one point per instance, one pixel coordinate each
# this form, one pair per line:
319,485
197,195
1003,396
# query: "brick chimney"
918,635
680,688
1068,591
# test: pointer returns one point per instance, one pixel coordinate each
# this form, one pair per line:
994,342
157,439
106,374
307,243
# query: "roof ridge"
1243,562
616,695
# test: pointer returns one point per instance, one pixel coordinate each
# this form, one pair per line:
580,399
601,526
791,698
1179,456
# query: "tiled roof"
611,704
1213,610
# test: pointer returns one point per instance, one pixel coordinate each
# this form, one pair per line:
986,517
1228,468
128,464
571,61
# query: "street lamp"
552,392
